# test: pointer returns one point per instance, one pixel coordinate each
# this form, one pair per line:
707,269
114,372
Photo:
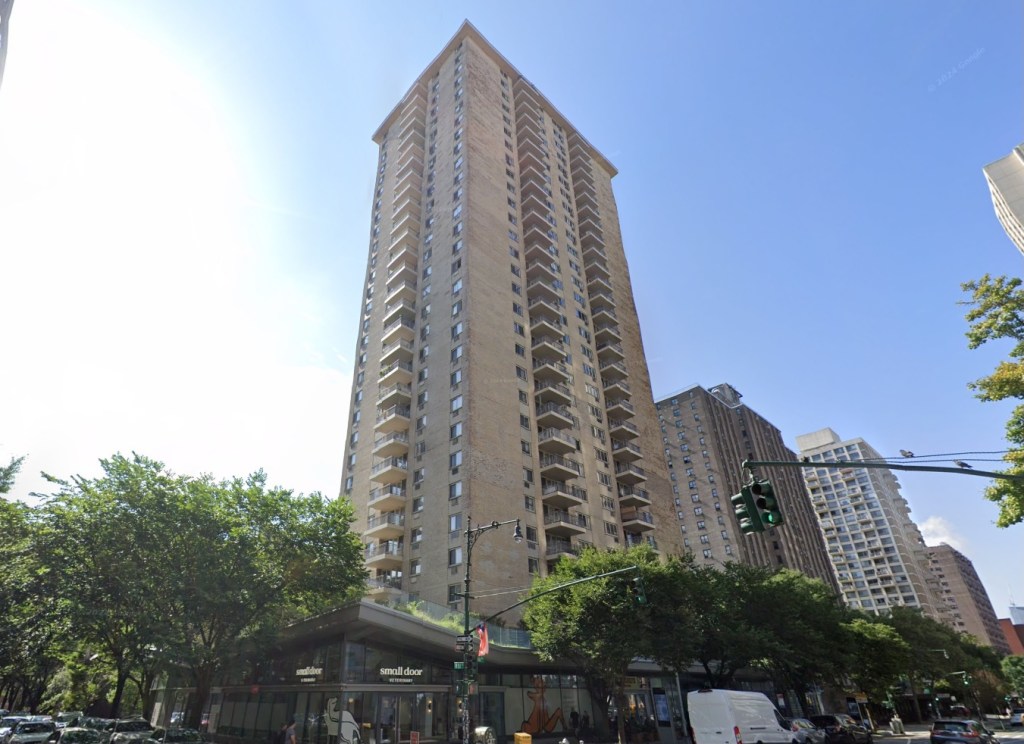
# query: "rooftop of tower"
468,31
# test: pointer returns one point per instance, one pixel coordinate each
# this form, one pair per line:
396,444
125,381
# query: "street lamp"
472,535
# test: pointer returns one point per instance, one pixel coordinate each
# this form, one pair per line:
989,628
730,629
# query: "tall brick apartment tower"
500,370
707,434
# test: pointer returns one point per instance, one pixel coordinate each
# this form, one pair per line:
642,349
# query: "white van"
733,717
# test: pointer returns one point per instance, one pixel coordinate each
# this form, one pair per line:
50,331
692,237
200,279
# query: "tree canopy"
152,570
997,312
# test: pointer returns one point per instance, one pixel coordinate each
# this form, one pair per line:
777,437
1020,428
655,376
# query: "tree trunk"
115,703
202,676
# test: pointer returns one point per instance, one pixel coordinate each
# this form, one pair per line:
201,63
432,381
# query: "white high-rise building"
876,550
1006,182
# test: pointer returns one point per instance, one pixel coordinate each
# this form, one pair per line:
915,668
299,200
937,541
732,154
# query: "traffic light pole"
751,464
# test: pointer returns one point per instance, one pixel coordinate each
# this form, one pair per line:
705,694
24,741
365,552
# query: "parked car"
176,736
841,728
130,731
1017,717
31,732
7,726
959,731
804,732
77,735
67,717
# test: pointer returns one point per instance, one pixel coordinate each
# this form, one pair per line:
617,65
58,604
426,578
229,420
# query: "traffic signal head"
746,511
767,503
639,595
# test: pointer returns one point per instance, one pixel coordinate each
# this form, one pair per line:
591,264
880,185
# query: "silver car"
31,732
805,732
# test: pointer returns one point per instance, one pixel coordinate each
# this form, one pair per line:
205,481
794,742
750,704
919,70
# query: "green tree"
1013,670
9,472
880,657
599,625
211,563
997,312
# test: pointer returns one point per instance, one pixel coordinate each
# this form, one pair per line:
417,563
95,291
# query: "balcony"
598,283
615,388
398,351
403,291
560,548
609,351
387,554
603,297
607,332
558,468
401,271
634,520
581,169
390,471
387,498
404,252
626,451
630,474
619,408
554,415
614,371
555,441
393,419
411,165
410,180
385,526
531,143
537,218
541,269
622,429
548,347
545,306
411,145
630,497
540,288
602,313
589,223
393,395
586,197
402,329
382,587
392,445
592,241
398,309
545,325
537,234
560,495
633,540
549,369
564,524
396,372
597,267
410,206
552,392
534,184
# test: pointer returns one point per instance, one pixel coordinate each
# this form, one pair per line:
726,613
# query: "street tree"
879,656
8,473
601,625
1013,671
213,563
997,312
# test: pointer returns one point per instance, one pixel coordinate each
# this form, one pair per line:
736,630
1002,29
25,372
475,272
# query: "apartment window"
417,504
456,286
516,289
414,567
524,421
517,308
601,455
705,540
707,553
416,535
455,490
418,476
520,373
422,398
455,459
520,350
533,565
456,353
421,423
529,503
456,265
454,593
457,404
456,247
525,446
610,529
527,475
457,330
524,398
454,522
455,430
519,328
456,377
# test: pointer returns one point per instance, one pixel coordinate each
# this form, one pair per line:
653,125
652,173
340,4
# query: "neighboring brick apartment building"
500,371
960,588
876,549
707,434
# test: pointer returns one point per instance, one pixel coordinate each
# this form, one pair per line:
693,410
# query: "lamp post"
472,535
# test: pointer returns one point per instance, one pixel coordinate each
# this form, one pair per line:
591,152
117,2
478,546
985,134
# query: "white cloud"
936,530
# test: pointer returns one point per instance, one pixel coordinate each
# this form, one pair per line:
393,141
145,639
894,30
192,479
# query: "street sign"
464,641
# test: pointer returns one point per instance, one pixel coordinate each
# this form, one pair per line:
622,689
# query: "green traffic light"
746,511
767,503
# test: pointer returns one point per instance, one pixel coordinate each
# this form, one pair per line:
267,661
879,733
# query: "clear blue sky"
185,202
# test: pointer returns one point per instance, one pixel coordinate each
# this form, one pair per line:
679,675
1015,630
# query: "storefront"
368,674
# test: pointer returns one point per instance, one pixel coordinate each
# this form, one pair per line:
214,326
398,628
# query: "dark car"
841,729
77,735
804,732
960,731
131,731
176,736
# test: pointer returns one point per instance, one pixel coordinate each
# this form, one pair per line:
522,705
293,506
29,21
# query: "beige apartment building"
500,370
961,590
706,435
876,550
